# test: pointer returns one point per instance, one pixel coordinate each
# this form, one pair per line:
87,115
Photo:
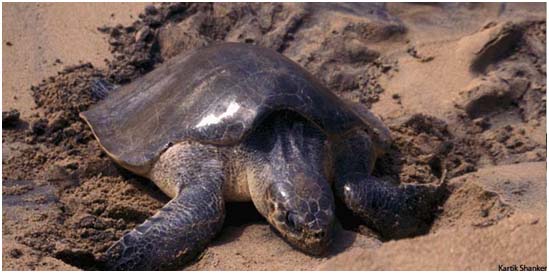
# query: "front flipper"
101,88
193,173
173,236
395,211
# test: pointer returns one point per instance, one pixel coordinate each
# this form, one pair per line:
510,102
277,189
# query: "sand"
41,33
461,86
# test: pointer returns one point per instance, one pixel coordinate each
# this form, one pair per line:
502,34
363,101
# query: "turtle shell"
213,95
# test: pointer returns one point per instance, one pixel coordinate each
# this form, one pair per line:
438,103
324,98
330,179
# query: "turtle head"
301,209
287,179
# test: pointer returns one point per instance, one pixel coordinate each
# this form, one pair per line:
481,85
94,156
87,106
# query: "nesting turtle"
237,122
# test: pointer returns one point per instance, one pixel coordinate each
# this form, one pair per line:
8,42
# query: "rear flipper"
394,211
173,236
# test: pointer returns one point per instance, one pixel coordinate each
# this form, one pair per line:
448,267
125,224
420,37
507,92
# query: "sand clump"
79,202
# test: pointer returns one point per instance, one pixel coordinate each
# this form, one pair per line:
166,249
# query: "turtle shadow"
238,216
343,240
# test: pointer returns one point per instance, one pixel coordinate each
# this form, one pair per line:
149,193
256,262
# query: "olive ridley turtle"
237,122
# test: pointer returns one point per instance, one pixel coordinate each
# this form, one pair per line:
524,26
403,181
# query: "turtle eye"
292,221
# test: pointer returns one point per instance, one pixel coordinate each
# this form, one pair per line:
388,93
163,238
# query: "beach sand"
461,86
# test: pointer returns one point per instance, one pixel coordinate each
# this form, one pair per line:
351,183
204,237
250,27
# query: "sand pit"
461,86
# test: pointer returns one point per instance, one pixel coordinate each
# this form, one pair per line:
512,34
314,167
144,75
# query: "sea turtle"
238,122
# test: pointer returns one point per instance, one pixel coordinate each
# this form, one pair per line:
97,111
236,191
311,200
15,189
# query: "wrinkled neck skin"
288,180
